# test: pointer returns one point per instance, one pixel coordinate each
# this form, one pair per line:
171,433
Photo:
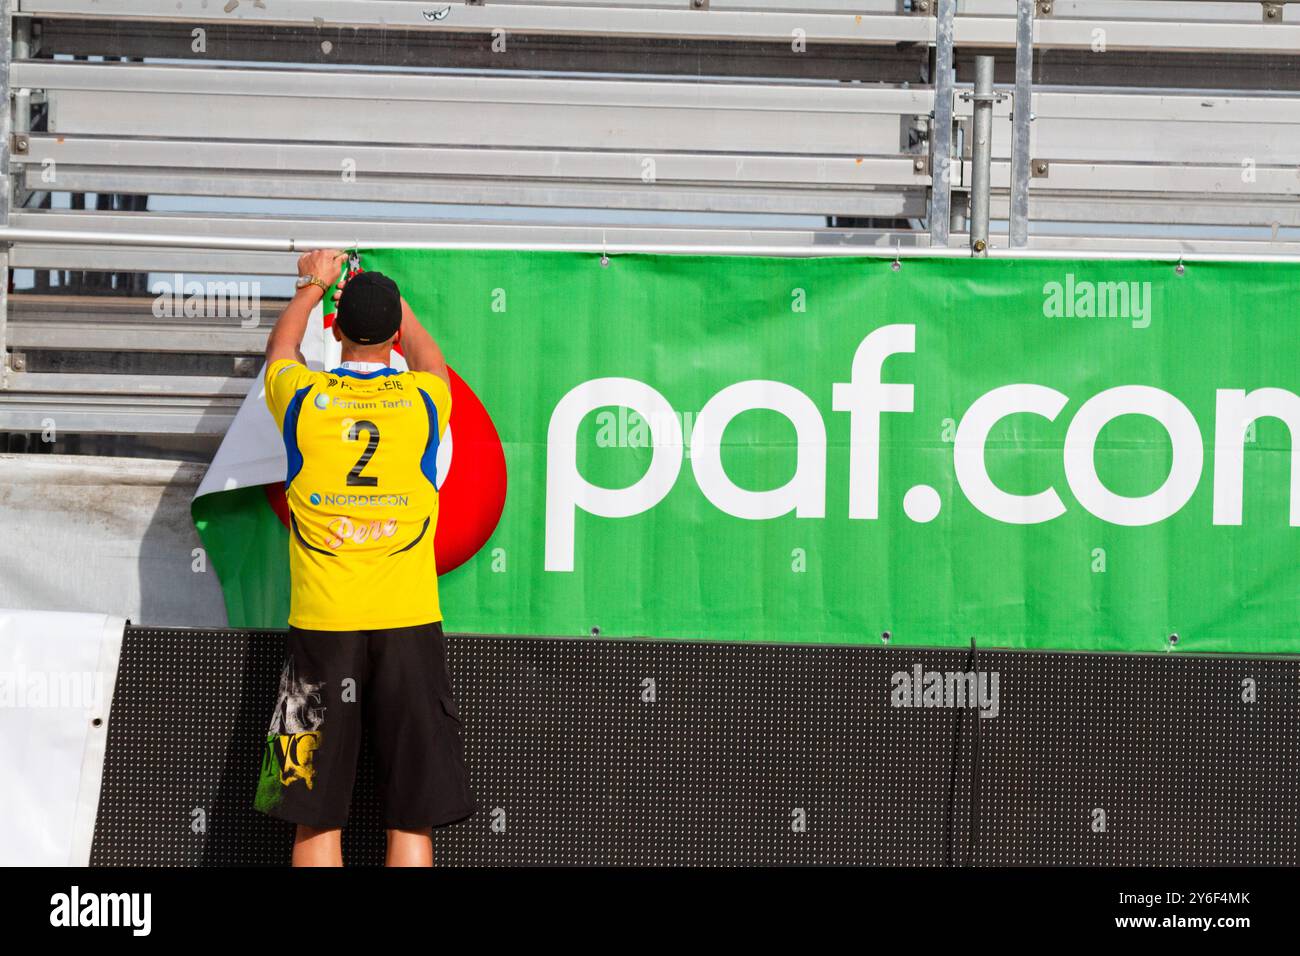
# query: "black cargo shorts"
393,682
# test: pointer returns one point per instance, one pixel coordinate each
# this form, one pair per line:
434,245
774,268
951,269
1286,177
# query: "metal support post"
1021,117
981,156
941,126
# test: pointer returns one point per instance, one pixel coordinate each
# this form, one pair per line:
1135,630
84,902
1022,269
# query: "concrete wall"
105,535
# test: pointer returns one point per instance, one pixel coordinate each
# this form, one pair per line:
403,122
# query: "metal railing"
848,125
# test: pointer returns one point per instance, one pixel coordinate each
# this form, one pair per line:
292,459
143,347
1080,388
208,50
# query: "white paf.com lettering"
865,398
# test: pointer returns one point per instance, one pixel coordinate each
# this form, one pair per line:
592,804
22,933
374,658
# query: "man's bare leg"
410,848
313,847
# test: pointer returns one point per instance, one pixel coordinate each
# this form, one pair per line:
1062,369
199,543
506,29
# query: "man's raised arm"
420,350
322,268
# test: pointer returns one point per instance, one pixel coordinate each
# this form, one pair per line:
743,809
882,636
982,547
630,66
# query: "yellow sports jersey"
363,504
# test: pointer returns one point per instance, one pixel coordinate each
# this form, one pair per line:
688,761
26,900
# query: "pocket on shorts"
449,708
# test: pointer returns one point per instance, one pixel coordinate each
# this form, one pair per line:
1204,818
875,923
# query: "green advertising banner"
1071,455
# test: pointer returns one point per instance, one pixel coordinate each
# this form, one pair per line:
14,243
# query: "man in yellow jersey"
365,643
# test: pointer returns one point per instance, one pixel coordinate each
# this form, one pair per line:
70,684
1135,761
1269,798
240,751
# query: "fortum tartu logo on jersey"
864,398
471,495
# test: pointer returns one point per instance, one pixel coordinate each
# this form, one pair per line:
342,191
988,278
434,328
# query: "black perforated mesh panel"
594,751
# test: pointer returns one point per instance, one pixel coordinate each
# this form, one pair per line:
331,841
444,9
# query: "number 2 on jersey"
355,478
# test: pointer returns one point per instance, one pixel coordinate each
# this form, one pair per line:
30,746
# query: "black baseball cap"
370,308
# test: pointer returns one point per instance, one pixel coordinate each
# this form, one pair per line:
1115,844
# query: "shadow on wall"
177,585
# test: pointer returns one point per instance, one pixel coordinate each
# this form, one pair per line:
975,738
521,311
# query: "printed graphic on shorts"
300,708
292,739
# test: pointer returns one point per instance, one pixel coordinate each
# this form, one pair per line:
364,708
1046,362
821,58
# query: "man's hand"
324,264
338,293
285,340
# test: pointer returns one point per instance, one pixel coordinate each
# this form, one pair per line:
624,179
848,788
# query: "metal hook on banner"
604,254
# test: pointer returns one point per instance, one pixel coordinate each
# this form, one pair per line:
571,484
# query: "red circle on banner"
472,495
